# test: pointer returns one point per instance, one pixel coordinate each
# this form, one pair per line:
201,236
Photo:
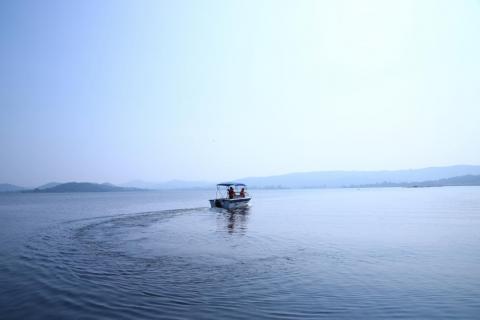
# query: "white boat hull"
229,203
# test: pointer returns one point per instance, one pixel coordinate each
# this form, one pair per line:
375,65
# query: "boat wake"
157,261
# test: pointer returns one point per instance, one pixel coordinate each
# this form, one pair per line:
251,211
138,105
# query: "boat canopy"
228,184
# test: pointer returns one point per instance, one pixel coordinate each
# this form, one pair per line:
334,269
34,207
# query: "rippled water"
339,253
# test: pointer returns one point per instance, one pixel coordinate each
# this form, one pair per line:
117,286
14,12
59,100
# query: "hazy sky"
214,90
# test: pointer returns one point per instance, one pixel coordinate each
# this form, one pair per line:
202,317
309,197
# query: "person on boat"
242,193
231,193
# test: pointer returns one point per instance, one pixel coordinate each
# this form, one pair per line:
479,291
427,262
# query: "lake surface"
330,253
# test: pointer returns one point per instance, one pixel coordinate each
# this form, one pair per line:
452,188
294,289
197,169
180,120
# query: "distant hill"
335,179
6,187
48,185
82,187
317,179
467,180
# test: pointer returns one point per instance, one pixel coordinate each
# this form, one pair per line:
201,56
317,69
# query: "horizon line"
246,177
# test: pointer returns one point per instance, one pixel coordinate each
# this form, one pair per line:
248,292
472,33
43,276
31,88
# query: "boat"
230,200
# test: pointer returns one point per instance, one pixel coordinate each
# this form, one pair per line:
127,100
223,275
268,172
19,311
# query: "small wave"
93,264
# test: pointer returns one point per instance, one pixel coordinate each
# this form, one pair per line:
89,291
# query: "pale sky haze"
214,90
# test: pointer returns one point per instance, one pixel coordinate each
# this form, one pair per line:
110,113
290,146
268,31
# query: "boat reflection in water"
234,220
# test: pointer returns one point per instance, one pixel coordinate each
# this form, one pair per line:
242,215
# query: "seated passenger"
231,193
242,193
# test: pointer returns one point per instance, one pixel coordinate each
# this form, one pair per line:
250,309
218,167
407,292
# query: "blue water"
332,253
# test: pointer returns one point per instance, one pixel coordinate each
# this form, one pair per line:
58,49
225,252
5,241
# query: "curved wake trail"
153,263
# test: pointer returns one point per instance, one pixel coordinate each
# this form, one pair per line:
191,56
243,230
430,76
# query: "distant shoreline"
34,191
76,187
461,175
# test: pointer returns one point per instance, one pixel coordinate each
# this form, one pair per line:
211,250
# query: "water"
338,253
